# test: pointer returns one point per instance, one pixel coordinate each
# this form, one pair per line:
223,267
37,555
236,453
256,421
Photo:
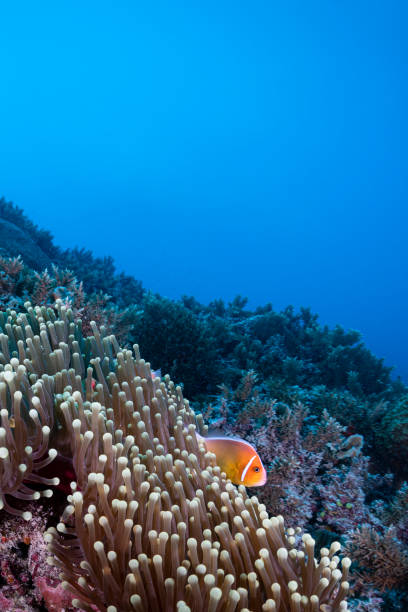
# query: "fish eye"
256,469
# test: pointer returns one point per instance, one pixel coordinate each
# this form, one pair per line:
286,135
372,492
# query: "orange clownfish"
238,459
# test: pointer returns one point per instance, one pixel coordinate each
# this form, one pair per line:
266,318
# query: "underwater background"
224,185
267,141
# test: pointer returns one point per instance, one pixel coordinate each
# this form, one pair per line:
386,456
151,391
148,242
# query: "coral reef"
151,523
28,582
169,334
301,392
319,477
18,283
315,470
382,560
20,237
391,436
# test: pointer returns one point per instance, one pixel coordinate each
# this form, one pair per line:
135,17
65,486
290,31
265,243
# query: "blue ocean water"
220,148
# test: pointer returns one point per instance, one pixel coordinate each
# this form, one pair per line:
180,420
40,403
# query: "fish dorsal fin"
226,440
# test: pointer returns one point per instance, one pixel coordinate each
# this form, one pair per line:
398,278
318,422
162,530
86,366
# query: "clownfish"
238,459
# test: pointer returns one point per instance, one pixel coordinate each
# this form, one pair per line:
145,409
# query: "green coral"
391,436
173,338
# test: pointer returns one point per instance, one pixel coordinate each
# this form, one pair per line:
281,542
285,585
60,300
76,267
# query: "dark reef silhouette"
324,411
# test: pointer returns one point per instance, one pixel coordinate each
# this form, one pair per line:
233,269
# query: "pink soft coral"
56,599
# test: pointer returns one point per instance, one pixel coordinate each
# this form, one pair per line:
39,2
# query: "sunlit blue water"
220,148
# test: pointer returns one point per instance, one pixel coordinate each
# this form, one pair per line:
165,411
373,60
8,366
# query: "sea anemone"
152,523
